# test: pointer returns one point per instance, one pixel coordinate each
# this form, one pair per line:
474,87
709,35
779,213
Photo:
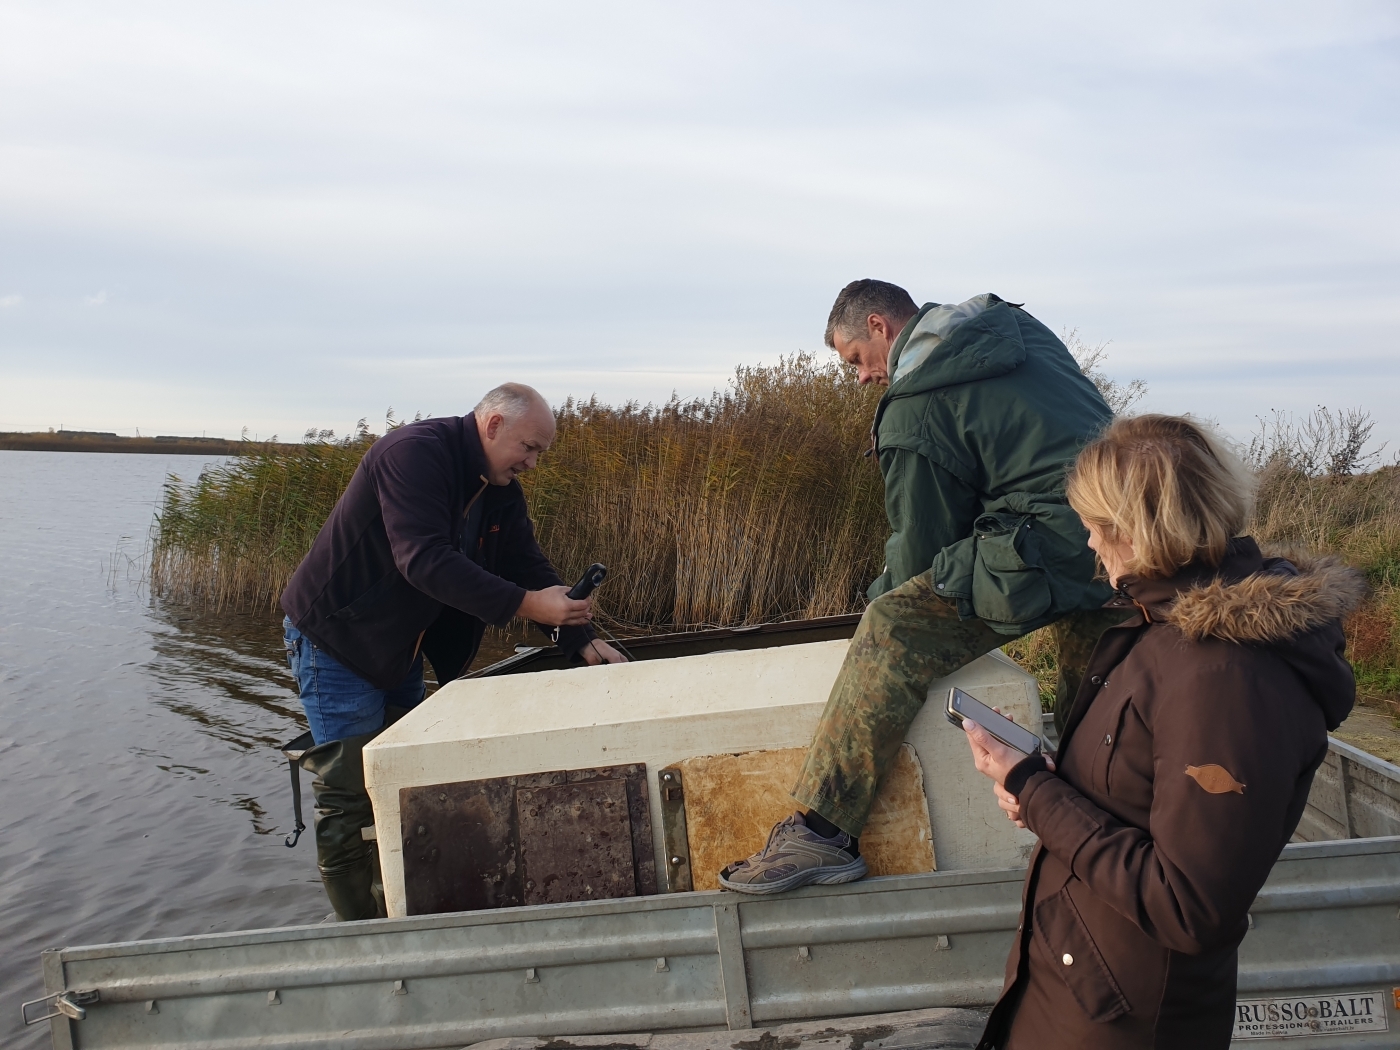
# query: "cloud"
323,210
8,301
96,300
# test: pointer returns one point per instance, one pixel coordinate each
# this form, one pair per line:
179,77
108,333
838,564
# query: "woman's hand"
1010,805
995,760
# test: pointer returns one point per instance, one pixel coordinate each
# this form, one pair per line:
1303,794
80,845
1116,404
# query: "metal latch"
673,831
64,1004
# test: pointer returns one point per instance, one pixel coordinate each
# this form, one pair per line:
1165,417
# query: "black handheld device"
963,705
590,579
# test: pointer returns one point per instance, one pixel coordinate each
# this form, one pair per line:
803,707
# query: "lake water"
143,791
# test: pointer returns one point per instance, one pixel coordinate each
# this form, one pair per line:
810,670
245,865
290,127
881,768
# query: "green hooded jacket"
985,411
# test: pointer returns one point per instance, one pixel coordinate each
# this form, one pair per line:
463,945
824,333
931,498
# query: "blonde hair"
1166,484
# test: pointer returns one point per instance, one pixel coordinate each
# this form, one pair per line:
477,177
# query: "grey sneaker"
793,856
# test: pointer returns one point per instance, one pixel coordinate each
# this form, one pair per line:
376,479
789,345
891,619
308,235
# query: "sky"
281,216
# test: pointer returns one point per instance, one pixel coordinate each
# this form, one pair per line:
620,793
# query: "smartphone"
588,581
963,705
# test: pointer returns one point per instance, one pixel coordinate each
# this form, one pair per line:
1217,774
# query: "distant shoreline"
94,441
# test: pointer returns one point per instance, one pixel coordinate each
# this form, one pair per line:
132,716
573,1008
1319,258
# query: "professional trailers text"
1311,1015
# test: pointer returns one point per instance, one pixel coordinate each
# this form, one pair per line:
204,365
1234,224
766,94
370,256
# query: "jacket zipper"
419,644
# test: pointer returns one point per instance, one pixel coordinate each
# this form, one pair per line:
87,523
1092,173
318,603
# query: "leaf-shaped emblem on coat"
1215,779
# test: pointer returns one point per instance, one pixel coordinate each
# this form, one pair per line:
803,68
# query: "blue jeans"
338,702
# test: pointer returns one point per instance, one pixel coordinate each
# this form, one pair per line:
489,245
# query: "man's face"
514,446
870,353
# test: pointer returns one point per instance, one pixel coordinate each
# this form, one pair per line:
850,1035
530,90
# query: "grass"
754,505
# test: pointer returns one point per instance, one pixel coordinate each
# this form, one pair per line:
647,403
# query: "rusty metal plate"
463,841
459,846
576,842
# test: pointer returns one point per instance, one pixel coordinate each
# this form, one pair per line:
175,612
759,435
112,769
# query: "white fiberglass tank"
661,712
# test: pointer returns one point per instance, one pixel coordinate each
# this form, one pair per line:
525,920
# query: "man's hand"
995,760
554,608
596,652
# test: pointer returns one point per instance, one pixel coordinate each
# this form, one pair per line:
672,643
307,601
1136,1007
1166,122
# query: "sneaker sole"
856,869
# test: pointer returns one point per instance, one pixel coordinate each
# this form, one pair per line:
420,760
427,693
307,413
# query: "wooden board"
733,801
567,835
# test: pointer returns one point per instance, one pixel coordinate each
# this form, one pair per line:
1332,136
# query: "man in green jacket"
985,411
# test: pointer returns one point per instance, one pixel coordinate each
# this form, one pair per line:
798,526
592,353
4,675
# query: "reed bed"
756,504
232,538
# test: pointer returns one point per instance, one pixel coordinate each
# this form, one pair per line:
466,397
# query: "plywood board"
733,801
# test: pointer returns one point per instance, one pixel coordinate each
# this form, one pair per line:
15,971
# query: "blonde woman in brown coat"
1186,759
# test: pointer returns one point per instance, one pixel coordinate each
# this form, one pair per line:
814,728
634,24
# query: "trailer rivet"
661,966
531,977
804,954
666,776
442,797
678,861
273,999
399,988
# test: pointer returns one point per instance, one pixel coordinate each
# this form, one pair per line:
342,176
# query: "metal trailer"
1320,966
1325,928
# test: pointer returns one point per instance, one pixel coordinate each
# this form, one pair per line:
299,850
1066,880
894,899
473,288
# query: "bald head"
515,425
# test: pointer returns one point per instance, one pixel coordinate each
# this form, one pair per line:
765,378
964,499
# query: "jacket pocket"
367,602
1008,584
1063,935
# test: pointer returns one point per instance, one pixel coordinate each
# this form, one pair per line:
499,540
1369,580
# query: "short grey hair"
858,300
511,401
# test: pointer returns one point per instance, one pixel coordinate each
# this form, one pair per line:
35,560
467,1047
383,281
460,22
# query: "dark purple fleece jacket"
392,564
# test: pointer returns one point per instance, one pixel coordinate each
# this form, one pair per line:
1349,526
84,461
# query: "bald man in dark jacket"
430,542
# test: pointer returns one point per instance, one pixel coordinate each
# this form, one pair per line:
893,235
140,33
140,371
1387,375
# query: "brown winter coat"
1182,773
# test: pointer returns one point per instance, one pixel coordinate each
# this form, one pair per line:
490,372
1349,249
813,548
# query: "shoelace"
763,853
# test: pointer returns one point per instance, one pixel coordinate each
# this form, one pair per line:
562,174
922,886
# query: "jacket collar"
1248,598
1155,599
473,455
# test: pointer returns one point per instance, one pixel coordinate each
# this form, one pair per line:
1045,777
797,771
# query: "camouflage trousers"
909,638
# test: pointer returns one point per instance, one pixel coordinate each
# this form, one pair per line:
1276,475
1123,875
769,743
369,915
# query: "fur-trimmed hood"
1291,603
1288,597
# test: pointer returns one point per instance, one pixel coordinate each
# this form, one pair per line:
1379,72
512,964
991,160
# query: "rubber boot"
349,865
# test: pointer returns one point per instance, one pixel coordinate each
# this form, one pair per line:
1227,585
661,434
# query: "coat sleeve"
1189,881
928,509
412,481
524,563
